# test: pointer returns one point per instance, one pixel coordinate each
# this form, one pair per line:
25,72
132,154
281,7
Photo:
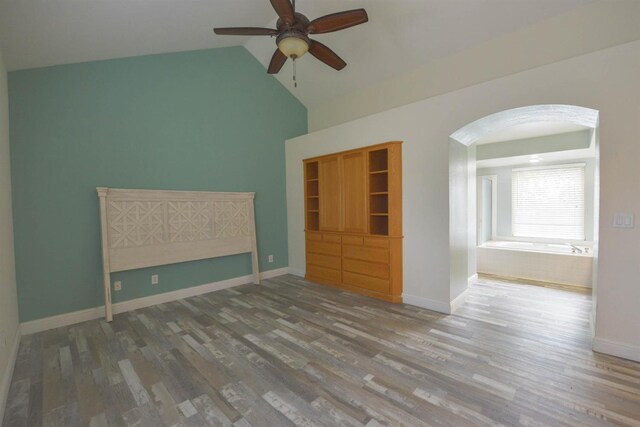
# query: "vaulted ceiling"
401,35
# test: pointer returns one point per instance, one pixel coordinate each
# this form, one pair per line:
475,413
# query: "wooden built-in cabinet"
353,220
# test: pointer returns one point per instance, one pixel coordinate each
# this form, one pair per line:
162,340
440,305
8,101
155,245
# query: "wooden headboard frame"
145,228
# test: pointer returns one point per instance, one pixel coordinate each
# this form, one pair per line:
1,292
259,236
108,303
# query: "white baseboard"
459,300
72,318
472,279
66,319
296,272
5,382
429,304
618,349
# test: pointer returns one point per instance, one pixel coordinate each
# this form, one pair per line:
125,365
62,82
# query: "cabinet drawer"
380,271
331,238
380,255
326,248
322,275
314,236
365,282
352,240
376,243
321,260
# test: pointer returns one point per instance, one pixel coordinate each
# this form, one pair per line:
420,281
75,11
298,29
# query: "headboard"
144,228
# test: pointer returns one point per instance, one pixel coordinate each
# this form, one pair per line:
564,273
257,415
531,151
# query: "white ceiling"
401,35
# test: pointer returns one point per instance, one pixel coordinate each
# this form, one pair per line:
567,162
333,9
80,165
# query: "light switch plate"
623,220
117,285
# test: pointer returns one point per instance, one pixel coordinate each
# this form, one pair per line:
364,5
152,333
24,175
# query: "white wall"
472,217
606,80
8,298
458,218
537,145
598,25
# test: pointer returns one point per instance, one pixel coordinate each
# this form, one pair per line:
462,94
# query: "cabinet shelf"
313,221
380,225
378,161
312,171
313,204
379,192
312,196
312,188
378,183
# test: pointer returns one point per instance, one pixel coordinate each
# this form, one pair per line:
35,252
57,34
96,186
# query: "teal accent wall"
209,120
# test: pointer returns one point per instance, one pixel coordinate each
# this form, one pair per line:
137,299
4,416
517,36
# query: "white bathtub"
546,262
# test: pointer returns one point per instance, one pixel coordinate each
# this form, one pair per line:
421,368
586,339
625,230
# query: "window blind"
548,202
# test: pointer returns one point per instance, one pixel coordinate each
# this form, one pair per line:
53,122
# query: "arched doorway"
465,146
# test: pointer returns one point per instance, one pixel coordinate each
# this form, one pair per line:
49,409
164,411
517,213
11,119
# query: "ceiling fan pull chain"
295,82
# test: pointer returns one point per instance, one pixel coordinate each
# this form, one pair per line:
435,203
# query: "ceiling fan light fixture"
292,29
293,45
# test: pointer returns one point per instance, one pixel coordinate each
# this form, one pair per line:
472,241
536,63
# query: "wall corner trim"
429,304
39,325
5,381
460,299
615,348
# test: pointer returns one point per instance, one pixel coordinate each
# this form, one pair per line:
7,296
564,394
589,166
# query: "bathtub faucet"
574,248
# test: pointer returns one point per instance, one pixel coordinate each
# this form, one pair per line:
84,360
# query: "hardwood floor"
291,353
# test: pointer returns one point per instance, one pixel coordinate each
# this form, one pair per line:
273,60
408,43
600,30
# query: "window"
548,202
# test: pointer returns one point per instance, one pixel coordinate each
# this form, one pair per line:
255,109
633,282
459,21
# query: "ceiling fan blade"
285,11
337,21
326,55
277,61
245,31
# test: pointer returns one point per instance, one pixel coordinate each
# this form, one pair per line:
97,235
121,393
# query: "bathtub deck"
486,278
288,352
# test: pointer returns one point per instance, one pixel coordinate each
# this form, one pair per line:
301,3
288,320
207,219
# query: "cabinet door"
355,192
329,192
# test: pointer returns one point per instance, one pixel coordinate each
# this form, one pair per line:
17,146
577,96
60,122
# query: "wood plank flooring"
288,352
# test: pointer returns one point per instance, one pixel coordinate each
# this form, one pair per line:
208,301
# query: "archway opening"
524,199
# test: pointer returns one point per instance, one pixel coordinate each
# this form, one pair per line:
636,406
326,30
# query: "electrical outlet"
154,279
117,285
270,258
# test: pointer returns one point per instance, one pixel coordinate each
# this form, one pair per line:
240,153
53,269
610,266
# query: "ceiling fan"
293,29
